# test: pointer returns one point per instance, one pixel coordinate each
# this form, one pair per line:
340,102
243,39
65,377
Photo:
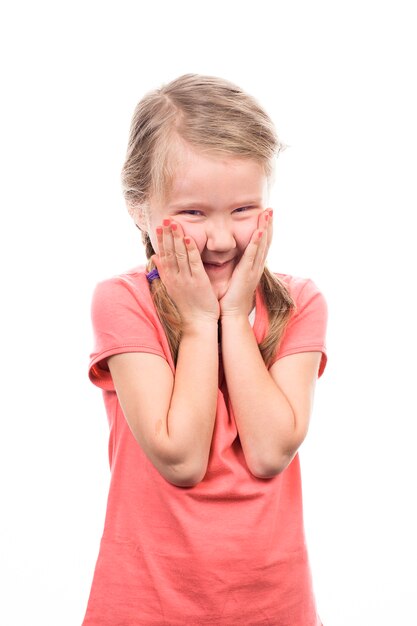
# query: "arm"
172,418
272,408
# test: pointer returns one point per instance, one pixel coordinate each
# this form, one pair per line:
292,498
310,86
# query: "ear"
140,219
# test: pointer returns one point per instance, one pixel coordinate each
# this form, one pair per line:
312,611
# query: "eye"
244,208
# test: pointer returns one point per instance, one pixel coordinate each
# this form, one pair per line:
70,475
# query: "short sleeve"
123,321
306,330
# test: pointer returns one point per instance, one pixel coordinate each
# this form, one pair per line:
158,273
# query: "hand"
238,299
182,271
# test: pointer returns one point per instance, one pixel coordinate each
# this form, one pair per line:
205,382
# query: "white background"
339,81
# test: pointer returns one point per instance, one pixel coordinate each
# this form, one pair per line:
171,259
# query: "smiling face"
217,201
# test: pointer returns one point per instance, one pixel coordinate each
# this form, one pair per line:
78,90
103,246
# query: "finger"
263,219
248,260
170,258
265,244
162,251
180,249
260,241
194,258
266,219
160,244
270,227
265,222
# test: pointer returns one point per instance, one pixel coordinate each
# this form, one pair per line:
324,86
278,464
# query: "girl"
208,363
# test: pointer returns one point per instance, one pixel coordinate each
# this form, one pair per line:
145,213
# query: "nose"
220,239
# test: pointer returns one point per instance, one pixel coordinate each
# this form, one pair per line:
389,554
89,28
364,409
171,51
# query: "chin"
220,289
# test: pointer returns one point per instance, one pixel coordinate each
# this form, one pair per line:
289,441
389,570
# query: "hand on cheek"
238,299
181,270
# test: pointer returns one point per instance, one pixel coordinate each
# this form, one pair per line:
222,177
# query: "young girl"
208,362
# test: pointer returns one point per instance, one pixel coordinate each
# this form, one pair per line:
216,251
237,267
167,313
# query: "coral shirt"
230,550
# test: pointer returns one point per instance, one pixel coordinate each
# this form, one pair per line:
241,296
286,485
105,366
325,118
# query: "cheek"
197,233
152,233
244,234
154,241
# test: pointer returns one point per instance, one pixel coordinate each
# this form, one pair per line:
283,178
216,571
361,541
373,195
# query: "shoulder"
295,283
123,297
124,286
133,279
307,326
124,319
309,301
300,288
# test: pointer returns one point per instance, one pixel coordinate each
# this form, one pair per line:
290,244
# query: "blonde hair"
216,117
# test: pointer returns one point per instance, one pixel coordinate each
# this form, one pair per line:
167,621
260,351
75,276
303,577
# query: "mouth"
217,267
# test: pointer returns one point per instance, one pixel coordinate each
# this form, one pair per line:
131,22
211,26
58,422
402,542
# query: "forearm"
264,417
192,411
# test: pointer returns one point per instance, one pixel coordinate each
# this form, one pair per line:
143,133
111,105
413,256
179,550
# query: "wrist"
199,327
234,318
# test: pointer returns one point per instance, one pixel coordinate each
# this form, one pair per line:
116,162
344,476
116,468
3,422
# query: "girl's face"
217,201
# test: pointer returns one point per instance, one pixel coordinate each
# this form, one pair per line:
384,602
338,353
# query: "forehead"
199,175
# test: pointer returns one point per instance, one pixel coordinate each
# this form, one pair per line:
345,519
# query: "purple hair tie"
152,275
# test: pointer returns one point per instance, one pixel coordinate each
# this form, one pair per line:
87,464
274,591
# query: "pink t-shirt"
229,551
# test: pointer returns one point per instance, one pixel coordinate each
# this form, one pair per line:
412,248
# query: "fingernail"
159,231
174,226
270,212
166,222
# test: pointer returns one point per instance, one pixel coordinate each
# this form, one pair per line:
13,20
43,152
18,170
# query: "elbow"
183,481
265,470
180,470
266,473
273,464
184,475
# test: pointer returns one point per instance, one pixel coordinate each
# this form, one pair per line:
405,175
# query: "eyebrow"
203,205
